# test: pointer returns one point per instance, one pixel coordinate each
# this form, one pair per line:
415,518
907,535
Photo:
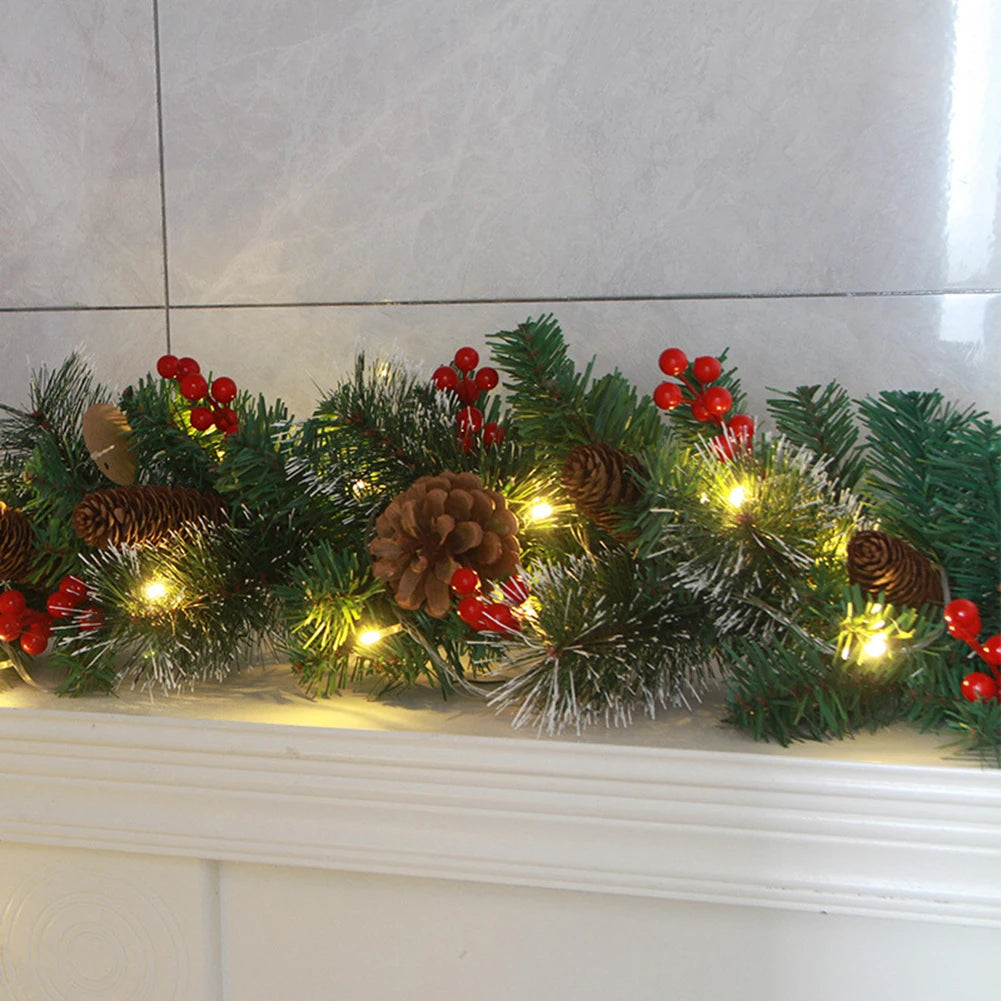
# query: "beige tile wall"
268,185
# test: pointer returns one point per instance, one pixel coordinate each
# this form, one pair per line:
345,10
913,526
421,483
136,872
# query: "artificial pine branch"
748,536
781,694
325,598
543,386
800,686
823,420
934,478
606,639
558,408
57,469
388,426
167,449
58,400
214,610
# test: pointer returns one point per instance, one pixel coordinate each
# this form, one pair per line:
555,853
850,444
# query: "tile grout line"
513,300
163,182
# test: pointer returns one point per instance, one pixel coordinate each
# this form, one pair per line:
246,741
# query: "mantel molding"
770,831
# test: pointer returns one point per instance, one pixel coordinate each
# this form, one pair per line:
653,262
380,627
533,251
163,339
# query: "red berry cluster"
211,403
463,380
962,619
707,402
18,622
72,595
483,615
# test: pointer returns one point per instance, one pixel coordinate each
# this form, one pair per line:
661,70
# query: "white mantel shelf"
883,825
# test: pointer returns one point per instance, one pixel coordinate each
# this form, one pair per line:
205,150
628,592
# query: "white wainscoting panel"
282,856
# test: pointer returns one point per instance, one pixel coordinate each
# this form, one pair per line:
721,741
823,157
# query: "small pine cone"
142,515
439,524
601,480
17,544
878,562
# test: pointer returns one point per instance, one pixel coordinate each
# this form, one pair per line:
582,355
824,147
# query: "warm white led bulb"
541,510
737,496
155,590
369,637
875,646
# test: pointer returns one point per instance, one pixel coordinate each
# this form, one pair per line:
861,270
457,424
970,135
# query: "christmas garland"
571,548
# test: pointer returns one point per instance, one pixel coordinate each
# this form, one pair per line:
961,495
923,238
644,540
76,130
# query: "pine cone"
135,515
878,562
17,544
439,524
599,480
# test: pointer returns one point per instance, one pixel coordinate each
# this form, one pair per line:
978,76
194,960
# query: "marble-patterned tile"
951,342
120,346
432,149
79,173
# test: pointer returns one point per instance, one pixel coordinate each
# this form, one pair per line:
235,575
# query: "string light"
369,637
540,510
155,590
875,646
737,496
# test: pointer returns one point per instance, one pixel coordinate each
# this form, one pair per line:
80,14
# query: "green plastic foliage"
934,478
822,419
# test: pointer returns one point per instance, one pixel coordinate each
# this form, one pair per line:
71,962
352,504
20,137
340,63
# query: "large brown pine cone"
17,544
142,515
601,481
879,562
439,524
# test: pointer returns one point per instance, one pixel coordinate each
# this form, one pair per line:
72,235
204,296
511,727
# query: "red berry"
223,389
468,391
10,627
73,585
978,687
673,361
34,643
991,650
466,359
717,400
469,419
194,386
500,618
465,580
741,426
470,609
487,378
700,411
962,618
201,418
166,366
226,420
61,604
667,395
12,601
39,622
91,619
493,433
187,366
445,377
515,590
706,368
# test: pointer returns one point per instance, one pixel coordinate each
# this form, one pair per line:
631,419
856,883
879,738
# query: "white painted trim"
769,831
